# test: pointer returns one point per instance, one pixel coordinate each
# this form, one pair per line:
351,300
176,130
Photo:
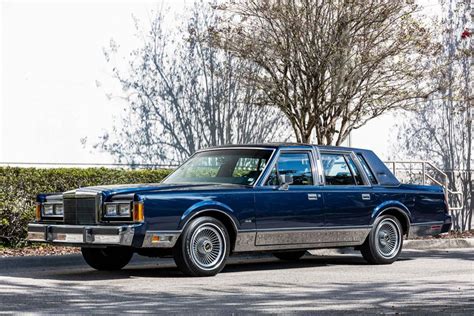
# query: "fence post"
423,167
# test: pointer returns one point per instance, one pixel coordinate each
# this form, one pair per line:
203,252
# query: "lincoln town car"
279,198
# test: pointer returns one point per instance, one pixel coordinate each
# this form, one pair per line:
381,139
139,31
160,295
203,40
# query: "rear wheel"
202,248
107,259
385,240
290,255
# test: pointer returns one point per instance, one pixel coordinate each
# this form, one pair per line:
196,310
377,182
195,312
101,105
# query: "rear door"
349,198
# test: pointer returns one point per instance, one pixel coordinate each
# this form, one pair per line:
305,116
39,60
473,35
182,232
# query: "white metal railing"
426,176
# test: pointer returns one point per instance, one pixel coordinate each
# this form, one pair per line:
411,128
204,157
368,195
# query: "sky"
55,80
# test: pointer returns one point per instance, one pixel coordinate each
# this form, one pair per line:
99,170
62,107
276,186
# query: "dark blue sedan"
279,198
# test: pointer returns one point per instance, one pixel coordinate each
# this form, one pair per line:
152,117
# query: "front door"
289,213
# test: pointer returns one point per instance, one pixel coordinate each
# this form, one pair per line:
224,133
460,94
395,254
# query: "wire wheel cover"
207,246
387,238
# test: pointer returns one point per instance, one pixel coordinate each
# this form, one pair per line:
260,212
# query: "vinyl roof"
280,145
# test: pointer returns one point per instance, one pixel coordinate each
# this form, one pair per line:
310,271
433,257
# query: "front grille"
80,210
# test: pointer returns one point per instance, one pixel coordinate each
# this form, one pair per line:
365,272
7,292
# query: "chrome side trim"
428,223
314,228
307,238
167,239
322,236
245,241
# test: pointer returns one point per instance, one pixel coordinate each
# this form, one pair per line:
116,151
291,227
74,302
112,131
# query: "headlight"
52,210
118,210
58,209
111,210
48,210
124,210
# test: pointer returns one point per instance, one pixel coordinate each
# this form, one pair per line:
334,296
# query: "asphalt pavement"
421,282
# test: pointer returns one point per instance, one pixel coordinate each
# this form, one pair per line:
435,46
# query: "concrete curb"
414,244
439,243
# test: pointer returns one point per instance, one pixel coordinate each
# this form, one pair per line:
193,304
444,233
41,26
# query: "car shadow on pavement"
220,295
165,268
156,286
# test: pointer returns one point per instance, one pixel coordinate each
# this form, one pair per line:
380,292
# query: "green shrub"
19,187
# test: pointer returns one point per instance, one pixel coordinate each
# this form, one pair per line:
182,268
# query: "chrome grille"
81,210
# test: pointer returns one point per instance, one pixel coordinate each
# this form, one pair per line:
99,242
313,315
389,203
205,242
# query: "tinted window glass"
354,170
237,166
249,167
336,170
367,169
273,177
292,165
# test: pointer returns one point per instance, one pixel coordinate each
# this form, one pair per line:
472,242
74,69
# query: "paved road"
421,281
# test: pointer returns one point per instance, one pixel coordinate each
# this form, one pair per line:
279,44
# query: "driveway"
421,282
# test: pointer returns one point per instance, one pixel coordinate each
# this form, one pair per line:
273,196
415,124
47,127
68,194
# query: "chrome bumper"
161,239
429,228
82,235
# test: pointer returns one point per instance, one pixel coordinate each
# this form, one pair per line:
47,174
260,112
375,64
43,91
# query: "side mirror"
285,181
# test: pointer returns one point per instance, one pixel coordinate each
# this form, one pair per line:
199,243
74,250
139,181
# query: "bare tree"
330,65
184,95
441,129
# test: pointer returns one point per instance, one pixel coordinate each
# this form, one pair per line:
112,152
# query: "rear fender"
389,206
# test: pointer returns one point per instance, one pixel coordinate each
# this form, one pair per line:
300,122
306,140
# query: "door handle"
366,196
313,196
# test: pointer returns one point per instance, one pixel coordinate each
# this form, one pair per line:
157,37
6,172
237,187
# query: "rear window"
367,169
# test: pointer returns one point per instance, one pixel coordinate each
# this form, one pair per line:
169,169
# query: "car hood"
154,187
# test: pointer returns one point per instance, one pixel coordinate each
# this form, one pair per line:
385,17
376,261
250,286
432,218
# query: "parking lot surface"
421,282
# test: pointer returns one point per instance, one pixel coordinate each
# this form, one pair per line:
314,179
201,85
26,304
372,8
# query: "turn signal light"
138,212
38,211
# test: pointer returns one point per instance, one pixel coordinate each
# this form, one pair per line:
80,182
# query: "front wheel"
107,259
202,248
385,240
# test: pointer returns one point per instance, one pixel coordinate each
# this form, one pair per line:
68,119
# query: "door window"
293,166
355,172
367,169
340,169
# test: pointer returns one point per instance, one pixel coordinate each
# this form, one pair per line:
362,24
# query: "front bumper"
123,235
82,235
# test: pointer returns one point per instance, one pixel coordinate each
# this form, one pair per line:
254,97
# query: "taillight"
446,203
138,212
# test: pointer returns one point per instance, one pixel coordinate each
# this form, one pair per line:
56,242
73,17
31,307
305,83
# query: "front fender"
205,206
390,205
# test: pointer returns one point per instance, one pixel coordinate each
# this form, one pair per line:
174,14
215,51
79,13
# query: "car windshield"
232,166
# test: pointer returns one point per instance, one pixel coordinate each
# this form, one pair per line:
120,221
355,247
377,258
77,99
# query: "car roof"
382,173
286,145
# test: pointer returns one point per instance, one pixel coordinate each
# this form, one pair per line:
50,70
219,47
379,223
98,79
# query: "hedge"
19,187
